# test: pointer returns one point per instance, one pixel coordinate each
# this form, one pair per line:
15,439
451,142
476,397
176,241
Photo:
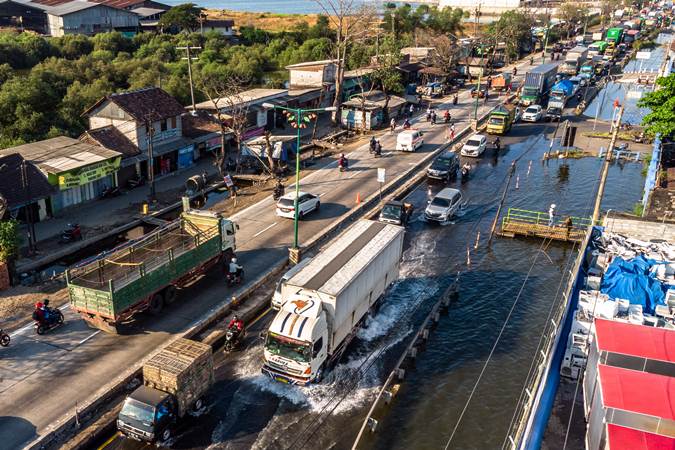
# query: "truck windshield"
391,212
530,92
496,120
278,345
138,411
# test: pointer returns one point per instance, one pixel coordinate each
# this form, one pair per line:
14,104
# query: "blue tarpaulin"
634,281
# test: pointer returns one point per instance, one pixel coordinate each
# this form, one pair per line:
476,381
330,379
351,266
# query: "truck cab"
296,344
147,415
396,212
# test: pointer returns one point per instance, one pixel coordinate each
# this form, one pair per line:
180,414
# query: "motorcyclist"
498,144
40,314
235,269
342,162
515,71
378,148
433,117
278,190
446,116
236,324
406,124
373,141
455,98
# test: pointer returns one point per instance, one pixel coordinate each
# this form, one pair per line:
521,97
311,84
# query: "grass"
265,21
638,209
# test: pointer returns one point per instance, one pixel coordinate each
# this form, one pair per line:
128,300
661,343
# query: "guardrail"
536,218
523,416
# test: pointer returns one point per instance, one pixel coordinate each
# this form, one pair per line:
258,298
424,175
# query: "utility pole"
25,183
149,135
605,168
189,60
476,19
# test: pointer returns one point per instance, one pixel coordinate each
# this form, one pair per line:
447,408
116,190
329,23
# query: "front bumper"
438,175
134,433
284,377
435,218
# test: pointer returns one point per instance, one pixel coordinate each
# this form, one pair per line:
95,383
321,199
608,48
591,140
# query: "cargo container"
146,273
174,382
560,93
325,302
574,60
537,83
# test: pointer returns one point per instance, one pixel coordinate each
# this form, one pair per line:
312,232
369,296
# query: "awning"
621,438
635,340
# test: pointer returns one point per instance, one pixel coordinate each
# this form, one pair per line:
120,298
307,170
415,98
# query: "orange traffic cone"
358,198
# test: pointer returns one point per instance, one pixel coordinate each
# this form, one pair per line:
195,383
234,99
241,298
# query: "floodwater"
247,410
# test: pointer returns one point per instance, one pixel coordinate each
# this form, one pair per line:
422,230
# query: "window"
318,345
164,124
173,122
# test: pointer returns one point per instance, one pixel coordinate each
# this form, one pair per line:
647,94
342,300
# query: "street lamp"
299,118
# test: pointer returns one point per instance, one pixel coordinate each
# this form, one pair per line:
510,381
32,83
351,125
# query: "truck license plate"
282,380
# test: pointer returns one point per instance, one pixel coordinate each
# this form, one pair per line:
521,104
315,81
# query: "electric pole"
605,168
25,183
149,135
189,60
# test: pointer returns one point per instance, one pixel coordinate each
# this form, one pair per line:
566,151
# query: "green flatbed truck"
146,273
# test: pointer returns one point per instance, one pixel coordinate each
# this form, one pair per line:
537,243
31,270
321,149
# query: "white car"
306,204
533,114
444,205
475,146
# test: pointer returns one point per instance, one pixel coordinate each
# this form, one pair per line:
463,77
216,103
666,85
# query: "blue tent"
633,281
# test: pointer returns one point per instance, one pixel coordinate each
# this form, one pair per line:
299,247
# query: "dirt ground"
16,303
263,21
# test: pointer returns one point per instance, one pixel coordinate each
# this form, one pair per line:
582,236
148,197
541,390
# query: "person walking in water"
551,214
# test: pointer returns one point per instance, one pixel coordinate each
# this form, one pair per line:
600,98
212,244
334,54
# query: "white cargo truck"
325,302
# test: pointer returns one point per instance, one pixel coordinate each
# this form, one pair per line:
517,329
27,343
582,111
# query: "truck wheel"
156,304
319,375
170,294
198,404
166,434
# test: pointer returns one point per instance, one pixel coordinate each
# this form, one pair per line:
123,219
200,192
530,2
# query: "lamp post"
300,116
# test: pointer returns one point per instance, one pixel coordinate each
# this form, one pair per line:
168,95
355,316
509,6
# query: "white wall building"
83,17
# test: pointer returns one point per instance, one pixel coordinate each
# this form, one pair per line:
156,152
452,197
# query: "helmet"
553,205
342,155
38,305
235,317
234,260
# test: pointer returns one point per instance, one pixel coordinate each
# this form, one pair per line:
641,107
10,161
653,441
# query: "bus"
597,48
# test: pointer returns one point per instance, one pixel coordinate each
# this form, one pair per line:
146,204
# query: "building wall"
91,21
225,31
312,76
13,14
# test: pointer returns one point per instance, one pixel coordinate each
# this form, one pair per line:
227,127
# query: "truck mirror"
262,335
236,225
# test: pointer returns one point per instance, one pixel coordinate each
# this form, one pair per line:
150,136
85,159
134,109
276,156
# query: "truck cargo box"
184,369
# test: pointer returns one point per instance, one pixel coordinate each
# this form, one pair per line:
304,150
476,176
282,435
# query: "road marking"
264,229
88,337
353,175
262,314
321,195
107,443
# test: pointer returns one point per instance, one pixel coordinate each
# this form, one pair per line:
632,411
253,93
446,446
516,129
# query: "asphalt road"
45,377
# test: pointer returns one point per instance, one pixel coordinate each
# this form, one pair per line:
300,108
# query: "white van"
277,301
409,140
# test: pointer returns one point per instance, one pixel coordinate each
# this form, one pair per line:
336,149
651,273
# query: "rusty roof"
111,138
198,125
148,104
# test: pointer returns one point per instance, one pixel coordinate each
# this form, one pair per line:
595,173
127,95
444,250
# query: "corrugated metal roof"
71,7
249,96
621,438
61,154
635,340
639,392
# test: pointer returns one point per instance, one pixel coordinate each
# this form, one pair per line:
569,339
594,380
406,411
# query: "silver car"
444,205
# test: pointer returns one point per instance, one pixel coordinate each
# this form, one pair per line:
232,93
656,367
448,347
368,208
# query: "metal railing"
530,396
535,218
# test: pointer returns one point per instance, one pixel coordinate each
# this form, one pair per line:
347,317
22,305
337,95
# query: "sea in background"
272,6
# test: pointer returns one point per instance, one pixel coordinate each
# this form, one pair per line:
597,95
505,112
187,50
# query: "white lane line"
322,194
353,175
264,229
88,337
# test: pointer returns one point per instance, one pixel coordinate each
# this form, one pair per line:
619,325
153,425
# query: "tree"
386,75
513,28
351,20
9,239
573,14
184,17
661,103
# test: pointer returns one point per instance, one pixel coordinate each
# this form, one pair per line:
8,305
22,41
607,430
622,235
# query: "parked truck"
146,273
537,83
574,59
560,93
325,302
174,382
501,119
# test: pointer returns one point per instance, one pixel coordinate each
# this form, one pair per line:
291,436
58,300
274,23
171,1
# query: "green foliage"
406,19
184,17
638,209
9,239
513,28
661,103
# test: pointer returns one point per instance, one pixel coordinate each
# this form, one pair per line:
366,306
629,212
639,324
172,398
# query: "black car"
553,114
444,167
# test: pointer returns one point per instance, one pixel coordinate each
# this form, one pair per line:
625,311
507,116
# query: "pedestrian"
452,131
568,228
392,124
531,61
411,110
433,117
487,96
551,214
489,82
515,71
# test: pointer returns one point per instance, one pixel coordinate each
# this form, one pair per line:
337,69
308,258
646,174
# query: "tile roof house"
21,187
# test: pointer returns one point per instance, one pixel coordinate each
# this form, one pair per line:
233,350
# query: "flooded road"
246,410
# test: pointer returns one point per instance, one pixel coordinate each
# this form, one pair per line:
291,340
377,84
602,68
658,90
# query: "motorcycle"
278,192
454,100
465,172
377,153
406,125
135,182
54,318
4,338
233,338
71,234
110,192
446,118
234,279
497,145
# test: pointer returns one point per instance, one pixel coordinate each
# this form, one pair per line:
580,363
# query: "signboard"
380,174
634,95
228,181
643,55
87,174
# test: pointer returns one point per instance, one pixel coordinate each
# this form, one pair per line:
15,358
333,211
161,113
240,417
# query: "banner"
87,174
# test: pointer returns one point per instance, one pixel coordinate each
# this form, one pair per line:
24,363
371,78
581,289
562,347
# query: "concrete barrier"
70,424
